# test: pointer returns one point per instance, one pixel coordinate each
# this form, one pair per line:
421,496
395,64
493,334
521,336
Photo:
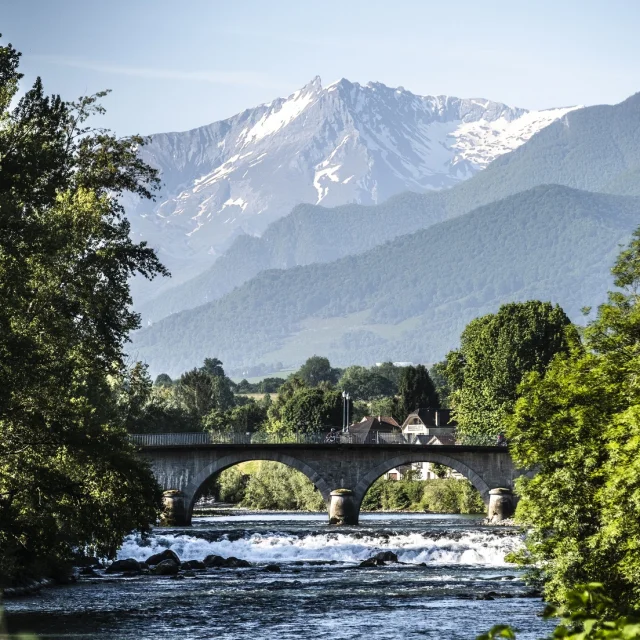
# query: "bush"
269,485
440,496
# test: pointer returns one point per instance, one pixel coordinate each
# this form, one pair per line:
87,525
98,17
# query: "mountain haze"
409,298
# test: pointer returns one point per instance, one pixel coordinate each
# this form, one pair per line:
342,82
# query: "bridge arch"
366,481
215,467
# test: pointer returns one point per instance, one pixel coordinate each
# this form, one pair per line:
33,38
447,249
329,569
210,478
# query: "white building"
427,426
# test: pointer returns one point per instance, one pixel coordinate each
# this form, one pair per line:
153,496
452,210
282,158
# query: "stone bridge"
342,473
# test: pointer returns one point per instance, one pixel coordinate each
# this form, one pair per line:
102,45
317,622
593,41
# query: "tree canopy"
69,479
496,351
578,424
416,390
318,369
365,384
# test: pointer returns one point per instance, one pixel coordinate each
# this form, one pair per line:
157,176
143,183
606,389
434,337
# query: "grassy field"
284,374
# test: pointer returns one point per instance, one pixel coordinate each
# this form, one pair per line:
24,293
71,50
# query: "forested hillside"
596,149
410,298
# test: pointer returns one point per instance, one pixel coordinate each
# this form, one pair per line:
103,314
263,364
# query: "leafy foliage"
69,479
416,391
496,352
585,617
447,495
578,424
317,369
302,409
272,485
365,384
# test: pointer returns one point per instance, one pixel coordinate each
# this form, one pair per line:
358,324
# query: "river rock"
273,568
371,562
237,563
197,565
86,561
167,567
120,566
157,558
229,563
385,556
213,560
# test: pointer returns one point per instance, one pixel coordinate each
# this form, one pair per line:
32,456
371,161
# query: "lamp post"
345,411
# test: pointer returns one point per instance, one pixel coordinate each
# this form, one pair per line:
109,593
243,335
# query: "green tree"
385,407
316,370
496,351
163,380
213,367
365,384
389,371
438,375
302,409
69,478
164,413
133,390
578,424
245,418
586,616
416,390
201,392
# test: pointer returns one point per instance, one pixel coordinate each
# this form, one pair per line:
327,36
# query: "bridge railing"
258,438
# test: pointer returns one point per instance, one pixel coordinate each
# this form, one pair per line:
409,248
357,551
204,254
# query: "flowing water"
451,582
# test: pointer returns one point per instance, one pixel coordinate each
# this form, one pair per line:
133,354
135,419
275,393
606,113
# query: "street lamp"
345,411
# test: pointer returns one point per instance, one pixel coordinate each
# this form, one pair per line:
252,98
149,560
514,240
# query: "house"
375,428
427,426
429,422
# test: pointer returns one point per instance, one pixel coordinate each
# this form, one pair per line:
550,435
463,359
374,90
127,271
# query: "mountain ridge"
410,297
322,145
584,159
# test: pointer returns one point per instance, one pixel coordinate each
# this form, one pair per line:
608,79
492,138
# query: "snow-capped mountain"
324,145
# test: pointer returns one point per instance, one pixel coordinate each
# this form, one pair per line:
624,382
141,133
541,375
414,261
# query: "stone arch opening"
366,481
192,490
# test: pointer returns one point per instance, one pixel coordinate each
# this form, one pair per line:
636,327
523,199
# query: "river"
446,564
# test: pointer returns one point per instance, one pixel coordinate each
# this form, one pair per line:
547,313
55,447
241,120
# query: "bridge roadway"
345,470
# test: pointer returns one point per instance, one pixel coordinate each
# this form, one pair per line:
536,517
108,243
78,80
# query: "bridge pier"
343,509
175,511
501,504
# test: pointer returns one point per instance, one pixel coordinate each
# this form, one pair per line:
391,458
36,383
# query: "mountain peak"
339,144
313,85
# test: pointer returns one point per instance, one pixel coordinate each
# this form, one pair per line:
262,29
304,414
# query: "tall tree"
438,375
578,424
316,370
365,384
416,390
69,479
213,367
201,392
496,351
303,409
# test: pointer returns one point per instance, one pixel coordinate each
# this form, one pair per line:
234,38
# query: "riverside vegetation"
274,486
69,478
71,483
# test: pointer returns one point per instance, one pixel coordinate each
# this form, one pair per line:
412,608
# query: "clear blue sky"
174,65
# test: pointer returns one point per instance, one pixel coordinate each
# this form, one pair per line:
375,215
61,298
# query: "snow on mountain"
324,145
